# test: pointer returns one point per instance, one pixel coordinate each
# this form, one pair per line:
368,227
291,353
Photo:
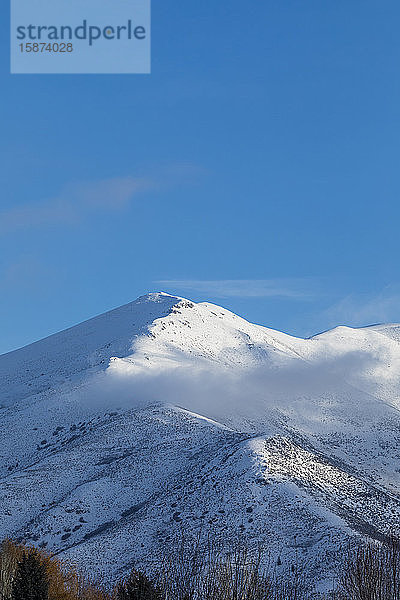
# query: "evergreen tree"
137,587
30,582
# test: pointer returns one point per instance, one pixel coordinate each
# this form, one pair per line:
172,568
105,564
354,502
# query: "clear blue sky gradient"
266,145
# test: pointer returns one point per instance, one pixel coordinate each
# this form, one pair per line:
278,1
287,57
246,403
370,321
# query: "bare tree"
371,572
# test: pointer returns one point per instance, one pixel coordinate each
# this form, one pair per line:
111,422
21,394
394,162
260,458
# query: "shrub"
137,587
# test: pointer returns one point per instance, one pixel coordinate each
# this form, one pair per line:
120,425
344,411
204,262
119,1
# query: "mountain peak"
57,358
300,434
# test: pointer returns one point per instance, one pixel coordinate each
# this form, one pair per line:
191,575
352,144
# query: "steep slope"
55,360
165,414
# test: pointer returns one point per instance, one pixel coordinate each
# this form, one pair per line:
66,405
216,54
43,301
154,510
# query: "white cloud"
297,289
221,393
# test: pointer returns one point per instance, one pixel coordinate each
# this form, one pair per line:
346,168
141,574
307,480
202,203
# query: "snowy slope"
165,414
51,362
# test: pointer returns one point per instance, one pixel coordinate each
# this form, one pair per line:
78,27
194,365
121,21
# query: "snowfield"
164,416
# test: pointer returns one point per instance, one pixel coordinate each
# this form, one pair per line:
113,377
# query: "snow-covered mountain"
165,415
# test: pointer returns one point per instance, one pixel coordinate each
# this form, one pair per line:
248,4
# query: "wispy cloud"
365,309
27,273
75,202
297,289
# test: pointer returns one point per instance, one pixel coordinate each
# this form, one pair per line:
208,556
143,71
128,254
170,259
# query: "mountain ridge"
165,413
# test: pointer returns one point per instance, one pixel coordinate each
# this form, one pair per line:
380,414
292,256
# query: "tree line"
370,571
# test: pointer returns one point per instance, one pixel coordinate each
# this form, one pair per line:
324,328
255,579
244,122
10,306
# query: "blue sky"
256,167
